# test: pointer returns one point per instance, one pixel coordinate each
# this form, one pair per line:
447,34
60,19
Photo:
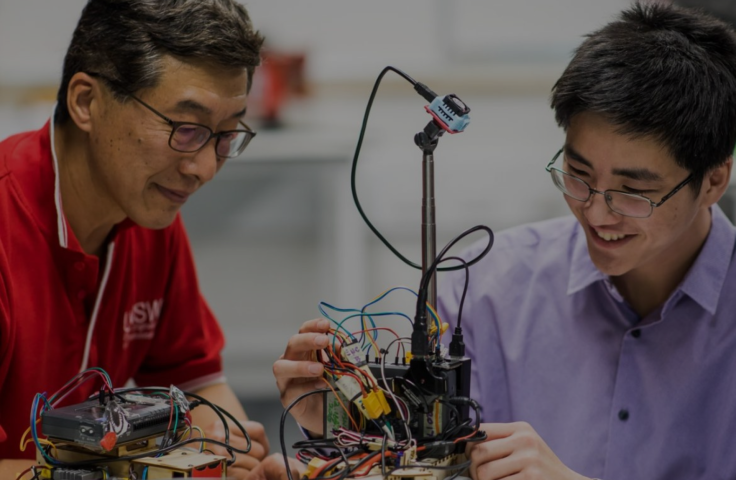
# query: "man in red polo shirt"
95,266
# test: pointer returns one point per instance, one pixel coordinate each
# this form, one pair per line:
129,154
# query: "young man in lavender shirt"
602,342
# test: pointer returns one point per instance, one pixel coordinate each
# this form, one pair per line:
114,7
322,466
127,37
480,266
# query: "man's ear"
83,95
716,182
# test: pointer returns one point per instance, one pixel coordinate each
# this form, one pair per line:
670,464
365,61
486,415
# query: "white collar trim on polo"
60,219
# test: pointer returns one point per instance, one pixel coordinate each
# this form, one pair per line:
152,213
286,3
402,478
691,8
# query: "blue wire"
34,433
363,314
377,314
343,310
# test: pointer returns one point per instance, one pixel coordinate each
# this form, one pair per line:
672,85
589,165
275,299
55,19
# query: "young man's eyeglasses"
623,203
191,137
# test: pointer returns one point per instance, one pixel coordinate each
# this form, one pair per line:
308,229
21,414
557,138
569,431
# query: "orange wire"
355,424
350,374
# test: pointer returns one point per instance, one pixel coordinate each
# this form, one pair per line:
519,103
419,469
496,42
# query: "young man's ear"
716,182
82,94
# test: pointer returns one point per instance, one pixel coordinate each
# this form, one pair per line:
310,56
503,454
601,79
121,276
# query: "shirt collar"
60,218
582,270
703,282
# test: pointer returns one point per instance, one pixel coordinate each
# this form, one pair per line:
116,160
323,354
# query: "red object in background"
280,76
3,436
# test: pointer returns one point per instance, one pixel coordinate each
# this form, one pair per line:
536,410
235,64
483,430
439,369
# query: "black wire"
345,459
355,165
464,264
424,285
383,456
320,443
219,411
283,423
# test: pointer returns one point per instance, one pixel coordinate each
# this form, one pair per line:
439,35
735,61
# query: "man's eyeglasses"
192,137
623,203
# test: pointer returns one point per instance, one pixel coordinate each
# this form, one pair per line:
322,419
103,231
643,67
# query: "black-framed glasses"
623,203
190,137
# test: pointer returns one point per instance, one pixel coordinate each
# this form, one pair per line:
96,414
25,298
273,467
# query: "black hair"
124,41
663,72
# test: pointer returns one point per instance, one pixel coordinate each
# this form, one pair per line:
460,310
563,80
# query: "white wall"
345,39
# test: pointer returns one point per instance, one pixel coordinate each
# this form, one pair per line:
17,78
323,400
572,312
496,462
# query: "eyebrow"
642,174
192,106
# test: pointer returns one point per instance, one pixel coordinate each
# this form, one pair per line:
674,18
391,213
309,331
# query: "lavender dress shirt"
615,396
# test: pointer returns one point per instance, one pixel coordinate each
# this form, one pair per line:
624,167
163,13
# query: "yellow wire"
42,442
203,445
431,309
23,443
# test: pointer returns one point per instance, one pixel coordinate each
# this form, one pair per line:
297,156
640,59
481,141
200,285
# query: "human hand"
273,468
296,373
245,463
515,450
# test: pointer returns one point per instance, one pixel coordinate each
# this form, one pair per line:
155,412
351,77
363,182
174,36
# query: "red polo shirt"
140,316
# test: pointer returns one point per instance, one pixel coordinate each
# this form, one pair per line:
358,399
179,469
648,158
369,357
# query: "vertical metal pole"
429,230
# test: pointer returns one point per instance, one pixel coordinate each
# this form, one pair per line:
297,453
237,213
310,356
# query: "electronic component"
79,474
130,433
410,418
88,423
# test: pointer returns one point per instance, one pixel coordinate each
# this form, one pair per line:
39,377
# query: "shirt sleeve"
187,347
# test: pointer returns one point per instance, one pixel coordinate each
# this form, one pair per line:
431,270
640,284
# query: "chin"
154,222
612,269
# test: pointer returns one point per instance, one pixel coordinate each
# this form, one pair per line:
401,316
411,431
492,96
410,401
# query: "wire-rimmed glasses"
190,137
623,203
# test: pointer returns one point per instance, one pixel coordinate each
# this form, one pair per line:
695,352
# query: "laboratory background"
277,231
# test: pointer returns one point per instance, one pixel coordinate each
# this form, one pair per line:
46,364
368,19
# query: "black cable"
218,410
383,456
420,322
345,459
425,92
424,285
283,423
419,344
464,264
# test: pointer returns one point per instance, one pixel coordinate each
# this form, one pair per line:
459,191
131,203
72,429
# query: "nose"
203,164
597,211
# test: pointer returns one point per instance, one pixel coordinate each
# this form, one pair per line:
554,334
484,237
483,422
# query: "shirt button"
81,294
636,333
79,266
623,414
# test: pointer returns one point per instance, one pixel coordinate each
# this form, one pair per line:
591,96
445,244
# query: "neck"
90,212
649,286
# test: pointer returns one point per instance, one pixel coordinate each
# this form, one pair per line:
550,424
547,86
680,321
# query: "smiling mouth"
175,196
610,236
606,238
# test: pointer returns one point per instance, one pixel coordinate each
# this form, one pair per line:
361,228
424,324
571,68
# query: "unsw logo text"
139,323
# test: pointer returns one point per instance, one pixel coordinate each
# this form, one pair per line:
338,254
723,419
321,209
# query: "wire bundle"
172,439
378,434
